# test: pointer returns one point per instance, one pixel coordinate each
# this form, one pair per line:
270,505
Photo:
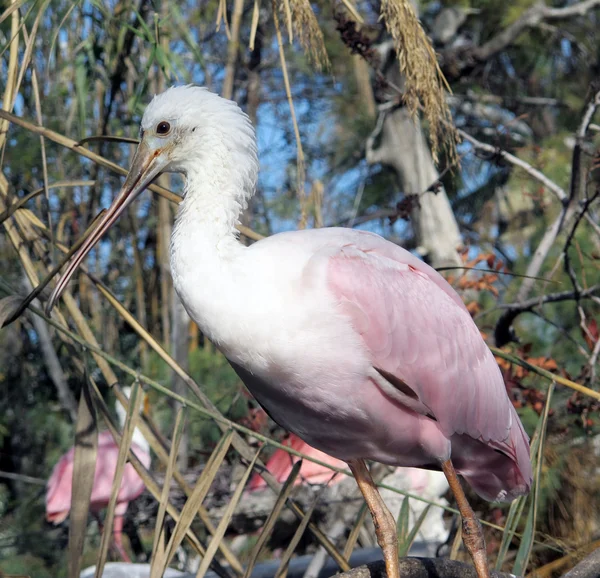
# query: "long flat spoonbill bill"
347,340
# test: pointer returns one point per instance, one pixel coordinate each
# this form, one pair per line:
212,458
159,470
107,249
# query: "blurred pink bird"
280,464
347,340
60,484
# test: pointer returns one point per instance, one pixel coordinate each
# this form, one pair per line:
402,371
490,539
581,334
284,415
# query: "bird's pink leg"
385,525
472,533
118,537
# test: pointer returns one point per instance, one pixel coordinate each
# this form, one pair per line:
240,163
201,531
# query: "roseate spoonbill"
347,340
60,484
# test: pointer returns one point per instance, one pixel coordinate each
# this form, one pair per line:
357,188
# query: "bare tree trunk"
404,148
233,49
362,74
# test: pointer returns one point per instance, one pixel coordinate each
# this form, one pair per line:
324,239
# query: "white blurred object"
124,570
425,484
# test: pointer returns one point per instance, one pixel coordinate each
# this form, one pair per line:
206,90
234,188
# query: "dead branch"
576,188
553,231
574,281
503,332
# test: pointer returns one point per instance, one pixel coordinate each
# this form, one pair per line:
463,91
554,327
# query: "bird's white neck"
137,438
221,171
209,211
219,183
204,245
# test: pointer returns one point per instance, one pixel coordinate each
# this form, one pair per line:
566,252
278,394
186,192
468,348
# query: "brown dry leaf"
189,511
353,536
270,523
425,84
291,548
8,306
148,480
159,547
84,467
224,523
133,413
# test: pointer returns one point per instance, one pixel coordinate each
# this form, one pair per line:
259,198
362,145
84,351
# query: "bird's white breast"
265,314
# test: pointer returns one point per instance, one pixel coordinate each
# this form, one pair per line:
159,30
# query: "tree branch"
575,186
503,331
532,17
558,191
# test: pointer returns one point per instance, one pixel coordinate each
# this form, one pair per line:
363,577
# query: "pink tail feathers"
496,474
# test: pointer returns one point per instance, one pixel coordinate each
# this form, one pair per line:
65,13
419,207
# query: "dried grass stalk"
84,466
425,84
307,30
300,177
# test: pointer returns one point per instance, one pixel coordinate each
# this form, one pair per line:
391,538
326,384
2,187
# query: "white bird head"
137,438
184,125
188,130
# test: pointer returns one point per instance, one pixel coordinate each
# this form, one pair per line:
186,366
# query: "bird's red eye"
163,127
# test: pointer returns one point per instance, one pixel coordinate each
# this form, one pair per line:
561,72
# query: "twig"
542,250
575,186
501,100
573,278
568,210
593,359
22,478
528,305
558,191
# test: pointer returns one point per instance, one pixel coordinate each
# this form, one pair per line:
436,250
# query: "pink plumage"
418,332
60,484
377,359
281,462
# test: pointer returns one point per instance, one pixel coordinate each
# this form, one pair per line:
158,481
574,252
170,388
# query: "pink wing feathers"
417,329
281,462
